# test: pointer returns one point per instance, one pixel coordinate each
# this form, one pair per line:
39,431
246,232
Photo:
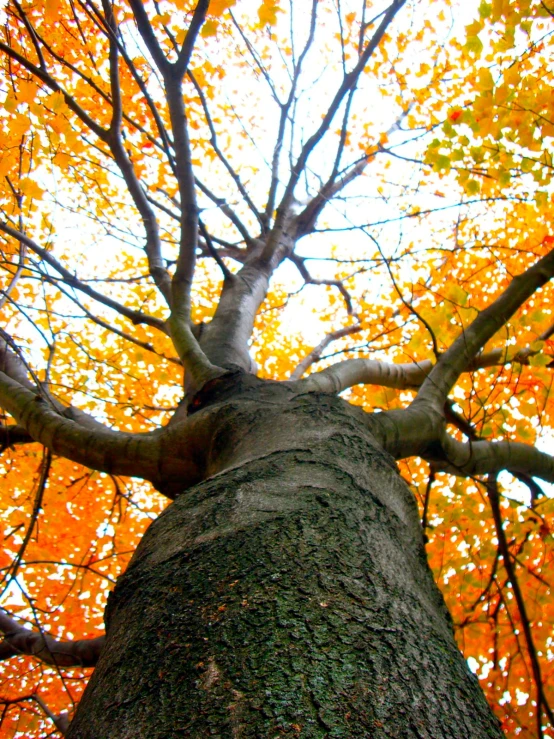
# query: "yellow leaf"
27,91
56,101
539,360
267,13
6,163
218,7
10,103
52,9
486,81
209,29
19,124
457,295
30,188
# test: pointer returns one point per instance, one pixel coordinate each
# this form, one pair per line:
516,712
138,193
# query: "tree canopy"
367,188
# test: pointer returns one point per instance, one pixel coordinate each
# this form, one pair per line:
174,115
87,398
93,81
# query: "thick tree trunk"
286,595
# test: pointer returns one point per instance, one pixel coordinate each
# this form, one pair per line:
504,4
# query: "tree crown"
275,188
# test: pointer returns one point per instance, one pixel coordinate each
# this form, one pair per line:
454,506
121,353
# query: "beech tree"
275,366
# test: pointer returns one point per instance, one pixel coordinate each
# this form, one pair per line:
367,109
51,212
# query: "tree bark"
286,595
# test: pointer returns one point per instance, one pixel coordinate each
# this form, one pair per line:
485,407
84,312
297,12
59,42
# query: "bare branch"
316,353
257,60
305,221
227,211
309,280
351,372
213,140
148,35
285,110
349,82
153,245
486,457
20,640
198,18
213,251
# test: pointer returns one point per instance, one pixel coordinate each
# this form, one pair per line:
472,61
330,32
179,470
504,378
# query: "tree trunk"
287,595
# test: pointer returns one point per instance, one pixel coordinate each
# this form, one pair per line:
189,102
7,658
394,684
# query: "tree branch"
20,640
285,109
306,220
349,82
351,372
494,499
50,82
316,352
14,366
153,246
468,430
486,457
70,279
148,36
96,446
309,280
198,18
13,434
213,140
226,209
171,458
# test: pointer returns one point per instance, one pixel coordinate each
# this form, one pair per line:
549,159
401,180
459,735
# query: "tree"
170,171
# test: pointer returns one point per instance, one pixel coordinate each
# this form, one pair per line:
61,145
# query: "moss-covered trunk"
287,595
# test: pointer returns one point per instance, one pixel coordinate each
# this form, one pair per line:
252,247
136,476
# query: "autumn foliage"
445,146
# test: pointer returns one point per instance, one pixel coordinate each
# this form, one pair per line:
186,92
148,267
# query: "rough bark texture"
287,595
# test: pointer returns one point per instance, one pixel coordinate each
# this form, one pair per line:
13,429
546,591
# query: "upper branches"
179,293
56,69
348,84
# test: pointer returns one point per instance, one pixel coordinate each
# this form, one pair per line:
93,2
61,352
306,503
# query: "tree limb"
148,35
309,280
198,18
20,640
13,434
153,246
487,457
494,499
316,352
285,108
351,372
466,428
13,365
224,160
171,458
